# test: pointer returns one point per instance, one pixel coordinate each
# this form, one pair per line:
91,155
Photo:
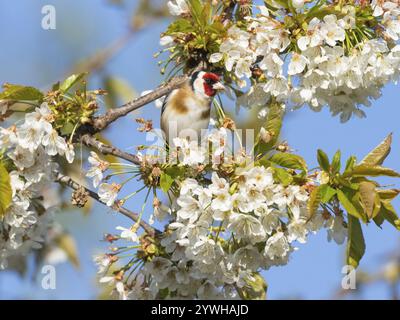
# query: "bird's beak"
219,86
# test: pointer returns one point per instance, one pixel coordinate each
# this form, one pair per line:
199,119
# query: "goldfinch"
186,110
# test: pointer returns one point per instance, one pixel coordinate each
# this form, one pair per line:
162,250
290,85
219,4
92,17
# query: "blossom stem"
133,193
120,173
125,249
139,264
71,138
91,141
219,230
68,181
143,206
127,256
112,115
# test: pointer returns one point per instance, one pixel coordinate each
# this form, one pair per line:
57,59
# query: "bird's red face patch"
211,76
209,80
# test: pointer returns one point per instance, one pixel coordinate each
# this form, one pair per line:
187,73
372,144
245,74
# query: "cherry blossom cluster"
28,150
222,238
220,231
332,63
227,212
338,54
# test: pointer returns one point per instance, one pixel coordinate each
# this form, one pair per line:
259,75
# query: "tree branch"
102,122
91,141
68,181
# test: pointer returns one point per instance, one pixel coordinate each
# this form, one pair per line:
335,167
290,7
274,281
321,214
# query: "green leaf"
175,171
67,128
166,182
282,3
336,162
163,293
323,160
350,163
379,154
368,195
273,126
282,176
322,12
17,92
217,28
379,219
289,160
55,86
206,14
371,171
195,6
315,9
255,288
274,121
196,10
389,213
346,183
388,194
5,191
348,205
71,81
314,201
355,242
180,26
327,193
377,207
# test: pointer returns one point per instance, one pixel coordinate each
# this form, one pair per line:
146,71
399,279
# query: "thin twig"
68,181
105,149
102,122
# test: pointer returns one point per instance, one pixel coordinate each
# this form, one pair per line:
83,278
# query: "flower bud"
110,238
265,135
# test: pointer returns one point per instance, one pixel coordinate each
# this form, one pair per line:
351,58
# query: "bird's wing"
165,102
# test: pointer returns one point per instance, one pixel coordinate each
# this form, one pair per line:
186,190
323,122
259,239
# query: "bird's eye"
209,81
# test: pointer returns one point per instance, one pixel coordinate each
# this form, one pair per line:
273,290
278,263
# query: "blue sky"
31,55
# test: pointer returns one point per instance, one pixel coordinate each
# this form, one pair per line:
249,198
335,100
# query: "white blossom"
54,144
97,168
108,193
247,227
178,7
190,153
331,31
167,40
277,246
297,64
128,234
336,229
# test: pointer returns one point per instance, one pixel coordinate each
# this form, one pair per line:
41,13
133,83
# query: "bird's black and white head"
206,84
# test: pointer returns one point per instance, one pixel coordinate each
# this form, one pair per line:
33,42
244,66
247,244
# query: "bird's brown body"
186,111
